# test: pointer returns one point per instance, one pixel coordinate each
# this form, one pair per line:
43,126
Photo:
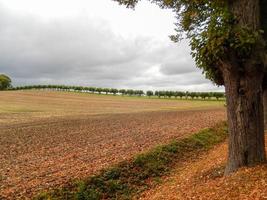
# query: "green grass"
129,178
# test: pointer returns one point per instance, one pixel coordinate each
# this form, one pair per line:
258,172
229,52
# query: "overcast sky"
94,43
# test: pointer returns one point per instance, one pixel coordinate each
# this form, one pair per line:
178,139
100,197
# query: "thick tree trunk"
243,84
264,87
265,108
245,119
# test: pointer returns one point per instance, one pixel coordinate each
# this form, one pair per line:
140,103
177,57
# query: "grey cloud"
181,66
173,81
177,60
30,48
85,51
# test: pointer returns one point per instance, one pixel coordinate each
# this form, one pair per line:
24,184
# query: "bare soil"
50,151
41,155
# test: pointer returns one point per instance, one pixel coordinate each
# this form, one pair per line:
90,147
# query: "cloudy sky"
94,43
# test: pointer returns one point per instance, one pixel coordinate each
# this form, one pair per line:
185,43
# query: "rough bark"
243,85
245,119
265,108
263,6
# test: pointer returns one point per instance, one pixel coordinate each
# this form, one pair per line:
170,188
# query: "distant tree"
198,95
180,94
99,90
5,82
78,88
162,93
175,94
193,95
204,95
169,94
138,92
157,94
92,89
114,91
149,93
86,89
130,92
218,95
106,90
122,91
210,95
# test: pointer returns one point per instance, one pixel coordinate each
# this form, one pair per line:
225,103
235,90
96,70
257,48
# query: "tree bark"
244,94
265,108
264,87
245,118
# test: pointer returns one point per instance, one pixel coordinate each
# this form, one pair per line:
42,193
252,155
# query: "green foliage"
106,90
139,92
99,90
5,82
84,194
122,91
114,91
214,32
129,178
149,93
169,94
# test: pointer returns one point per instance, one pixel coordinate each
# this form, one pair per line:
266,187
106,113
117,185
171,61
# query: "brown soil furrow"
34,158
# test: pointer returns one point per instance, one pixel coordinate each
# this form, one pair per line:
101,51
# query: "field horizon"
24,106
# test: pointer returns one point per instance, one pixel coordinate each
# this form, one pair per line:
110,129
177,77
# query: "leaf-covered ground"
203,179
47,152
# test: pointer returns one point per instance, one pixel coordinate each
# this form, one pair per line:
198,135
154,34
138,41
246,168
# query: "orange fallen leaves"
203,180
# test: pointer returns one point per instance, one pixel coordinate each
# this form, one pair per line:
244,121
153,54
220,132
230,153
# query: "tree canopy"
214,33
5,82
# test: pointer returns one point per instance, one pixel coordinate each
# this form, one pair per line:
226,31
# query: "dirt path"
42,155
203,179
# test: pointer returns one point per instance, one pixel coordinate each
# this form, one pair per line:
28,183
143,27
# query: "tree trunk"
245,117
265,108
244,95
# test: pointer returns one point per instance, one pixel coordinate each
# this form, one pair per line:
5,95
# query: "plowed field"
48,138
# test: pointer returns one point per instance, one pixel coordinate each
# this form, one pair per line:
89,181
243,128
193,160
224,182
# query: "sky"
95,43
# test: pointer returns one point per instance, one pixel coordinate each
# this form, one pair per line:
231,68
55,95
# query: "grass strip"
129,178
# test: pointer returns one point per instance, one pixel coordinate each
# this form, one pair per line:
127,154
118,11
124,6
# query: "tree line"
98,90
191,95
129,92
